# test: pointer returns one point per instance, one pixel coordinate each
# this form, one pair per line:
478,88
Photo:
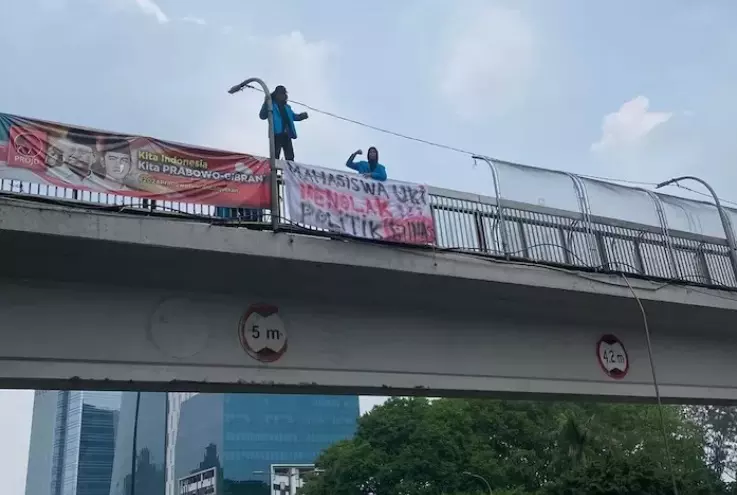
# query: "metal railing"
544,235
497,226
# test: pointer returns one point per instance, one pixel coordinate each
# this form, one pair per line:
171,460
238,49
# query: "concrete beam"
58,335
108,300
29,217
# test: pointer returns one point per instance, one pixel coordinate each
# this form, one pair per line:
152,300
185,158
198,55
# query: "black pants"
283,142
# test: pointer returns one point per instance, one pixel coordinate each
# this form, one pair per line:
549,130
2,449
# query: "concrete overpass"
95,297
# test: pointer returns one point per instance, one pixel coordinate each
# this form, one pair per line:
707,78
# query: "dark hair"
113,143
81,136
369,152
54,156
278,90
84,138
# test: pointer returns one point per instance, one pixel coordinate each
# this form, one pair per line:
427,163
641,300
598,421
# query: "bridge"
517,297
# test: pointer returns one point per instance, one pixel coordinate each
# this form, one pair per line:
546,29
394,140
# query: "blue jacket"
278,124
363,167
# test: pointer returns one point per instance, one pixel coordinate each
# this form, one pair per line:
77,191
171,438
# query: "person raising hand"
284,118
370,168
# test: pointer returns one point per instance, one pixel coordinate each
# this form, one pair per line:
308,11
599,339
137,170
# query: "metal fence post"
585,207
674,268
275,215
499,204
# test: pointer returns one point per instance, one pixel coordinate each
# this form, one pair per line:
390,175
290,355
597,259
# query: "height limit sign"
262,333
612,357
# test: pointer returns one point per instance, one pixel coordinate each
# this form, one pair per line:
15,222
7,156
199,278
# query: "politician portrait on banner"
59,155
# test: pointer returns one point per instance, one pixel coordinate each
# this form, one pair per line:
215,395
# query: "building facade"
129,443
243,435
139,467
176,399
72,446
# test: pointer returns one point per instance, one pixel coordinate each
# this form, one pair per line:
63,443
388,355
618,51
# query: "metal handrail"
535,233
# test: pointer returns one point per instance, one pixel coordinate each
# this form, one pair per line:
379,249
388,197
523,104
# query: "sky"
641,91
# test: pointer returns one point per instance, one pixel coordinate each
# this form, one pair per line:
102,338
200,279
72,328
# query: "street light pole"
726,224
478,476
134,448
272,146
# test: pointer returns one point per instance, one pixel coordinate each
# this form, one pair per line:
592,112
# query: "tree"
626,443
719,425
421,447
575,436
635,474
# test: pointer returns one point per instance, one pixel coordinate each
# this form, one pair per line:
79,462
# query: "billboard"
200,483
59,155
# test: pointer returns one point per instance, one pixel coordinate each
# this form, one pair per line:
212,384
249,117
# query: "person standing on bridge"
284,119
370,169
284,133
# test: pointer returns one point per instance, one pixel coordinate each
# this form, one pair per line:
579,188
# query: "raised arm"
350,163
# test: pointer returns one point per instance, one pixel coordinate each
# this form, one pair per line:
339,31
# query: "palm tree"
575,436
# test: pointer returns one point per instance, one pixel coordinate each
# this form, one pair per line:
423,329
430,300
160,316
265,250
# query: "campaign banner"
350,204
60,155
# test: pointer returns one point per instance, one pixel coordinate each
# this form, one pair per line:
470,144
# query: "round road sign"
262,333
612,357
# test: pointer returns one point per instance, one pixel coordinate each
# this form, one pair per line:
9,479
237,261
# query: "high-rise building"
129,443
140,449
176,399
72,443
243,435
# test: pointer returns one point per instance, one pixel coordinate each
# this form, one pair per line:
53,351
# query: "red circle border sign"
264,355
614,373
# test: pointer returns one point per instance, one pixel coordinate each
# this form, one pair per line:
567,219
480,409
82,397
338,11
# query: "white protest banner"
349,204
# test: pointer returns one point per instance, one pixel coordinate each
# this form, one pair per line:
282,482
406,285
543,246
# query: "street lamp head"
678,179
247,84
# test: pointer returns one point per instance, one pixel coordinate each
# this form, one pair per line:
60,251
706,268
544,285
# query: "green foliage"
719,426
422,447
633,474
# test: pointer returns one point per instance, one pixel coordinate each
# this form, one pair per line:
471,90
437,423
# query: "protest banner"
349,204
59,155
